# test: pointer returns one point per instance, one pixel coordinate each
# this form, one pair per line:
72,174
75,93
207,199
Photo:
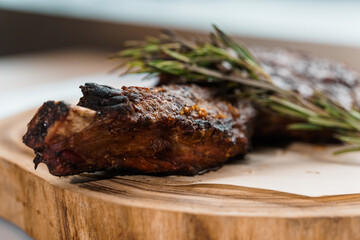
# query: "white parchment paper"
303,169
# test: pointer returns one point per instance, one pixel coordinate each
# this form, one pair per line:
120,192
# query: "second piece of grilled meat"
303,72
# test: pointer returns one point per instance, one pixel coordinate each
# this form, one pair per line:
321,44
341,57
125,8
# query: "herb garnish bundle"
220,58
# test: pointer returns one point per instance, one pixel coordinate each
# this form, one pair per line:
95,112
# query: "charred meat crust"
170,129
100,97
45,117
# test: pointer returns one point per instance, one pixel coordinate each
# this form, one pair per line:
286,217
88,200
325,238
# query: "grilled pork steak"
171,129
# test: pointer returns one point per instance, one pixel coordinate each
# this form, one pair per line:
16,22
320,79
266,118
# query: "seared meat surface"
171,129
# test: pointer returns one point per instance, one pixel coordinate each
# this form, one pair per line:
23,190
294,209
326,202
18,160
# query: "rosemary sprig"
222,59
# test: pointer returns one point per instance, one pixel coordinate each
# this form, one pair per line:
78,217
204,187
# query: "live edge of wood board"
115,207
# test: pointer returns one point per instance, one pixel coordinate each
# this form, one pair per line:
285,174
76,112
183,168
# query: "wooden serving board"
99,206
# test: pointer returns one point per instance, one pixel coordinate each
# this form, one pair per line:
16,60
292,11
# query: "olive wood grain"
108,206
